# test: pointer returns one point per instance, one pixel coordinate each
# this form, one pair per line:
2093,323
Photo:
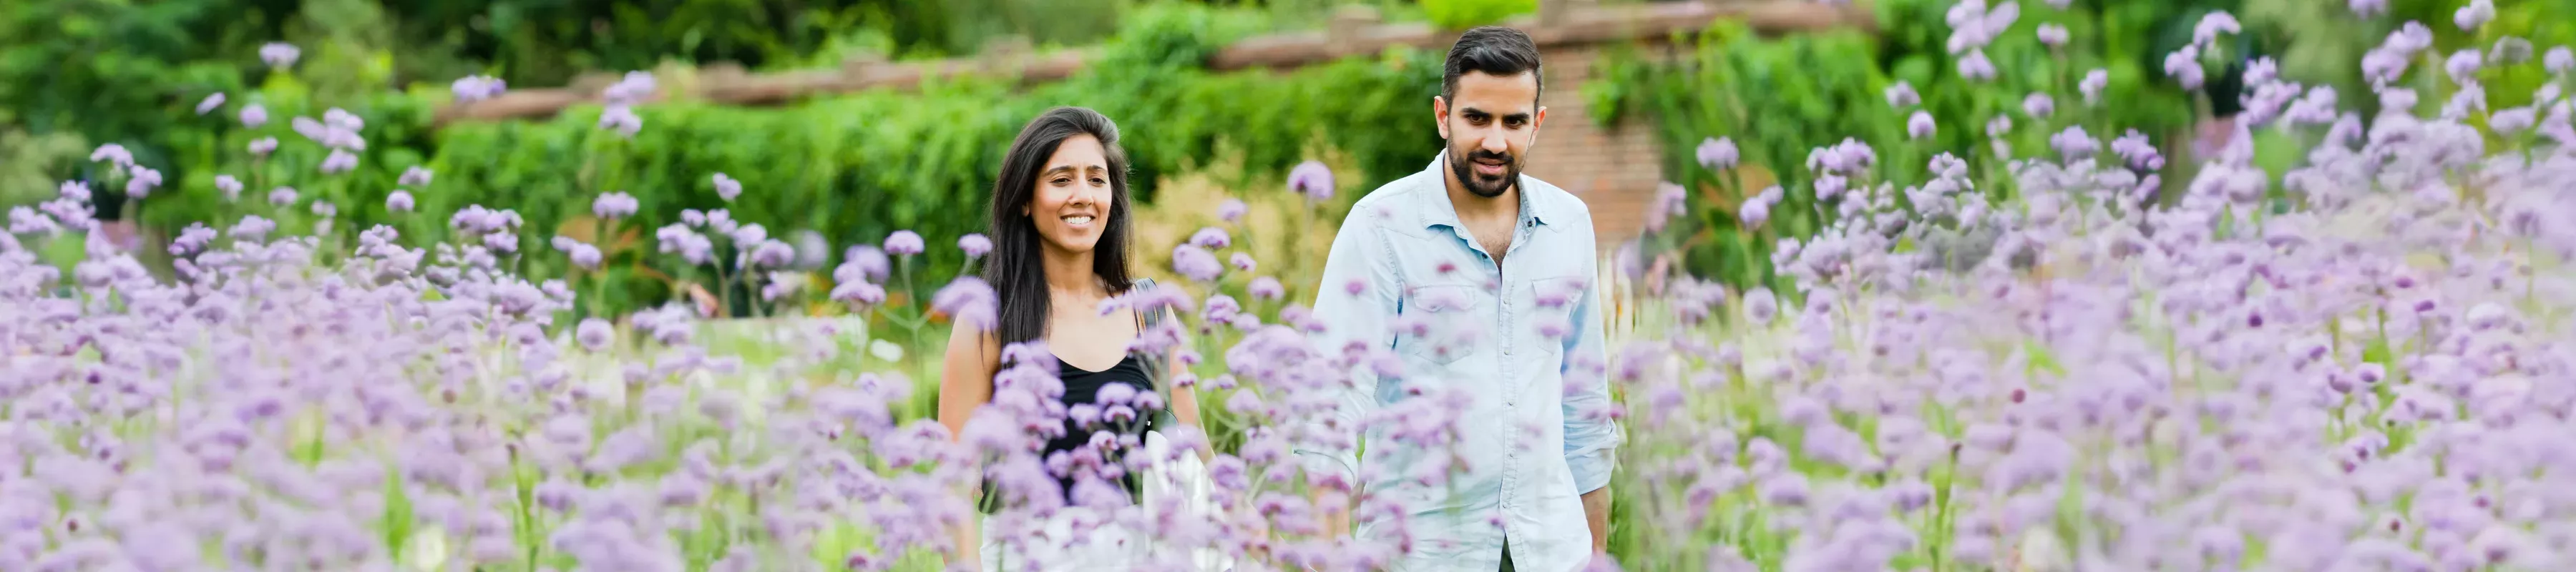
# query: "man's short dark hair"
1495,50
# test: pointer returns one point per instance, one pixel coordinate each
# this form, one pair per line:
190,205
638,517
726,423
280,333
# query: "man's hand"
1596,514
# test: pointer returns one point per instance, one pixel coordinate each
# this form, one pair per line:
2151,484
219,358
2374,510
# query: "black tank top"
1083,386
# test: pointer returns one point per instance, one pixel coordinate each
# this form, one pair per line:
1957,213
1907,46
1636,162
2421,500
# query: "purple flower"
2476,14
2213,24
230,186
1920,126
2094,82
1669,202
594,333
1975,66
398,201
2367,8
252,228
974,245
632,88
1312,180
2513,121
2184,66
1196,263
1242,262
727,188
585,256
968,300
339,161
281,196
279,54
2053,35
1211,238
614,206
622,119
863,263
2074,144
2038,105
690,245
210,103
2559,60
1266,288
253,116
414,176
325,209
1719,153
1760,305
144,180
858,293
263,146
2138,151
1753,214
112,153
1902,95
773,254
904,243
748,235
1232,210
475,88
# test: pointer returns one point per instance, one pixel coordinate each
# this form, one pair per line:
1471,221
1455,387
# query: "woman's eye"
1061,182
1098,181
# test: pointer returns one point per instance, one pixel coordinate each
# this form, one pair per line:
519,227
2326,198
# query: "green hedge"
857,167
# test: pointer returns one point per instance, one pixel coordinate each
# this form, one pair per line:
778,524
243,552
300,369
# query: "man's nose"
1495,141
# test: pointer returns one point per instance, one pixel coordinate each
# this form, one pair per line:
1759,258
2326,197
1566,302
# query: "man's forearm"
1596,514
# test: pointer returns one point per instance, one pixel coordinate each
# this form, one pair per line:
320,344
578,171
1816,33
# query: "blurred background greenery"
851,168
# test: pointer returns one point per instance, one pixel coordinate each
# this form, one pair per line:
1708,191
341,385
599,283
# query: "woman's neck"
1070,272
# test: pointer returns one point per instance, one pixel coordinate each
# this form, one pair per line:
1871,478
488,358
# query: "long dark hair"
1014,270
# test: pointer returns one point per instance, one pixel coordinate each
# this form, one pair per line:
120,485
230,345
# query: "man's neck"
1472,207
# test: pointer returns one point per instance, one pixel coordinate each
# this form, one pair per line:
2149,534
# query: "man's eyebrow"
1522,115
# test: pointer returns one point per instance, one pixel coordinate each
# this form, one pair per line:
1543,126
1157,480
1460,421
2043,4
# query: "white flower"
885,350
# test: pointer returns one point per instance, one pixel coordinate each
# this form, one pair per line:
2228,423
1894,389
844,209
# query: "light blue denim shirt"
1524,340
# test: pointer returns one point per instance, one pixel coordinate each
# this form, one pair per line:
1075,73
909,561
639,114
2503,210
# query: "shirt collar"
1438,211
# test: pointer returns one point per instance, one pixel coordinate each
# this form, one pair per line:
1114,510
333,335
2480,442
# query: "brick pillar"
1613,169
1553,12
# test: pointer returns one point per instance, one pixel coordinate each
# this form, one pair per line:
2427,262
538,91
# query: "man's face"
1490,123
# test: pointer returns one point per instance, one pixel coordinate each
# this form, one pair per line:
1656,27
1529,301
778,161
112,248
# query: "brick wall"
1613,169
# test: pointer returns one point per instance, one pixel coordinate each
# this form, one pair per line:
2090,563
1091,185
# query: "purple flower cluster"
2365,380
471,89
1312,180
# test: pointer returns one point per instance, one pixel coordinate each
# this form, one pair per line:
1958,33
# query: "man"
1480,278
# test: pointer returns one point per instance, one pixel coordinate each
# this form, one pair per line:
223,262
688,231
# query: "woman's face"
1071,205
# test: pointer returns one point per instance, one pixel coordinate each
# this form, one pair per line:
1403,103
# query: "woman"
1060,239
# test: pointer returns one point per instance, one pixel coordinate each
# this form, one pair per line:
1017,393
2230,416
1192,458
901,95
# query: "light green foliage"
1464,14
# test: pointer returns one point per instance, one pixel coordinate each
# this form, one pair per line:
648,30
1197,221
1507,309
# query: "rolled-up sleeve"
1590,434
1352,315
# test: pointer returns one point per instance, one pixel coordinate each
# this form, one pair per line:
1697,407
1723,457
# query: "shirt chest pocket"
1552,302
1443,323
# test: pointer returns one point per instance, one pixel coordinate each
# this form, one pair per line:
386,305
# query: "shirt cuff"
1591,469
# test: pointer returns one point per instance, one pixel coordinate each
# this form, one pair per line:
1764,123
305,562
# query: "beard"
1462,163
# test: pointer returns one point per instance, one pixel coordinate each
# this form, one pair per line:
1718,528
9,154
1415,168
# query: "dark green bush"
857,167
